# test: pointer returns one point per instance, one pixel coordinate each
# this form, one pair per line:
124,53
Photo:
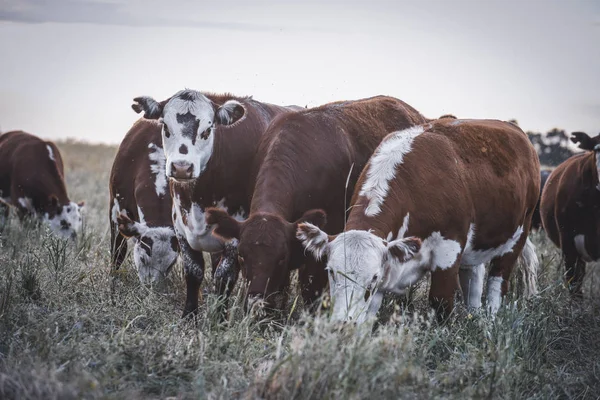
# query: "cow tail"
529,265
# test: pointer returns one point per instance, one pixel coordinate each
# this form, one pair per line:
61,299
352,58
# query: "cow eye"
167,133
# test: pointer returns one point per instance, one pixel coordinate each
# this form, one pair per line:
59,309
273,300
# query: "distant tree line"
552,147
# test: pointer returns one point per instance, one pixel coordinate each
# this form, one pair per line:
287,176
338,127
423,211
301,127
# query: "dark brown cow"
445,197
210,141
140,203
570,209
536,221
32,180
309,159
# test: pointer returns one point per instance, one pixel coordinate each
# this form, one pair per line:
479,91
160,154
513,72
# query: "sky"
70,68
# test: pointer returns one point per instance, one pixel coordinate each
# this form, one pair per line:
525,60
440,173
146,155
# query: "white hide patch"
383,164
494,294
152,268
141,215
580,246
471,283
115,210
50,152
26,203
68,223
404,227
157,167
442,252
476,257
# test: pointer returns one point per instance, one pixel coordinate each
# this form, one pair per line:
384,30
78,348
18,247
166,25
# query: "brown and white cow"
309,159
140,204
445,197
536,221
570,209
209,141
32,180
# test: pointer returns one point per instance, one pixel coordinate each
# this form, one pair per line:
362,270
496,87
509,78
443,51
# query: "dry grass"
67,330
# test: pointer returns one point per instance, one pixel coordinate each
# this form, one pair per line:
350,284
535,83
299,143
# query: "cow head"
360,266
585,142
267,251
155,250
64,220
189,119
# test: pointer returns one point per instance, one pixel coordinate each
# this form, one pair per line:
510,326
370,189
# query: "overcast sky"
70,68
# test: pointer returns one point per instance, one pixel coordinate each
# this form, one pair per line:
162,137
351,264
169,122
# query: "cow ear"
585,142
229,112
152,109
313,239
402,250
227,226
81,205
128,227
316,217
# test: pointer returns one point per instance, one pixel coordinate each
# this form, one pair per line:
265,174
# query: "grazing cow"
445,197
210,141
570,212
536,221
32,181
309,159
140,204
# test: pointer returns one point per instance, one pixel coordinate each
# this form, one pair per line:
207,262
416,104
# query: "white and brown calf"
140,204
446,198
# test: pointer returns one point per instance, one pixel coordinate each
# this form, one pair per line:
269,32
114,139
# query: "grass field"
69,331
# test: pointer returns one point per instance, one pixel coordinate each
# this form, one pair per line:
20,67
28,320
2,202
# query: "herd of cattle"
363,197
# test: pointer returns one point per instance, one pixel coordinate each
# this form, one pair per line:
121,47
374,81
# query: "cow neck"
274,196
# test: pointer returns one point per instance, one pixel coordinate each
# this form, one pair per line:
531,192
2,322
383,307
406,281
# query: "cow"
570,212
444,197
209,141
140,204
32,181
306,160
536,221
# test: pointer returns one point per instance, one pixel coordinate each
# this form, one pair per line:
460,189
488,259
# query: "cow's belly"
471,256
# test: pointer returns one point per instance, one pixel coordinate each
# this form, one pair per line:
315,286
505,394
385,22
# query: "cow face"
360,264
64,220
586,142
189,120
155,250
266,245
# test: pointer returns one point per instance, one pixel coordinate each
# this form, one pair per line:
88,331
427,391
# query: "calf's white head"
189,119
360,264
155,250
64,220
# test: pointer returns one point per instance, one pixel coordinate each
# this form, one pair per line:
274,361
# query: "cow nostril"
190,169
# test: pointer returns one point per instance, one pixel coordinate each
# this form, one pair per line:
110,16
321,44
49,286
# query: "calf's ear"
152,109
227,226
229,112
313,239
402,250
316,217
128,227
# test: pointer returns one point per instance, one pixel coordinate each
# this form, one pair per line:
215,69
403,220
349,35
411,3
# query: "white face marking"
157,167
580,246
68,223
475,257
471,283
50,152
189,135
494,294
153,253
115,210
383,164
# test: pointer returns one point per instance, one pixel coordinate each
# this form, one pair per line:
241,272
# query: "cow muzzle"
182,170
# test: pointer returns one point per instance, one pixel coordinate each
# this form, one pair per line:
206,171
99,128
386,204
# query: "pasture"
68,330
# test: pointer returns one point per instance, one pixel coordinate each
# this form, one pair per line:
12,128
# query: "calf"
140,203
536,221
32,180
309,159
444,197
570,212
209,141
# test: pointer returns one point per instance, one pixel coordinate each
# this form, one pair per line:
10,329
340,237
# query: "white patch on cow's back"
494,294
476,257
50,152
580,246
404,228
141,215
115,210
157,167
383,164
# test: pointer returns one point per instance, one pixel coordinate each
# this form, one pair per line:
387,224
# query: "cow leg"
575,272
444,284
193,269
118,249
225,274
313,279
499,276
471,283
